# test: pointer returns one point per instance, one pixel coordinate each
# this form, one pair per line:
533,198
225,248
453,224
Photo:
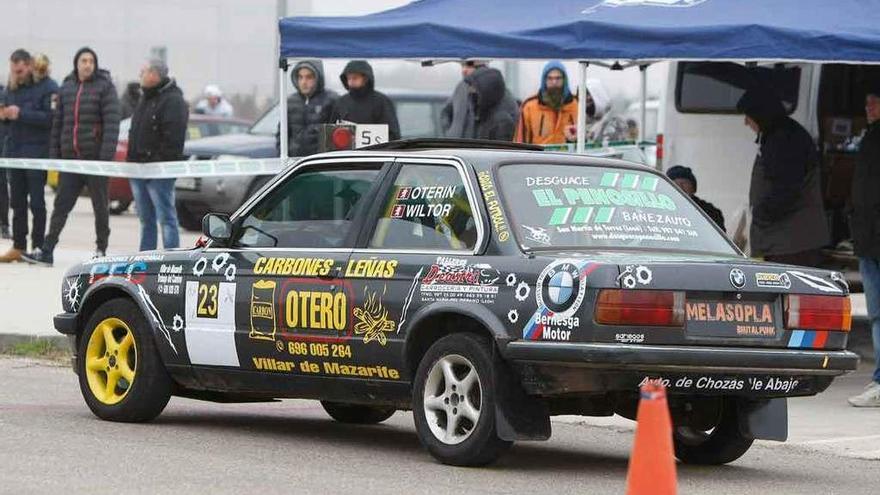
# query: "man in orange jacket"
545,116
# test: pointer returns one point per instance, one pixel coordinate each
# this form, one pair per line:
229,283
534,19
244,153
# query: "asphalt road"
51,443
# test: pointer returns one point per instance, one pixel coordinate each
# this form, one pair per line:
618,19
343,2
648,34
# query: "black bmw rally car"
485,286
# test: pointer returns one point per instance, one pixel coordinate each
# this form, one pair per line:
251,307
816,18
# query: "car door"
292,309
418,248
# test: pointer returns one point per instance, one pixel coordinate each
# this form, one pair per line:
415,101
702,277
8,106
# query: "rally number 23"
207,301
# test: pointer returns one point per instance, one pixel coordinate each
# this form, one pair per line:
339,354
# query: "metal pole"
282,106
582,107
643,69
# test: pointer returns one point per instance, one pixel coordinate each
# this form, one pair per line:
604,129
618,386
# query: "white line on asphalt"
840,439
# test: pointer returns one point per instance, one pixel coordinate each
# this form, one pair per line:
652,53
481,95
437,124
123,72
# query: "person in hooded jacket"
864,224
28,112
307,109
457,116
157,134
785,196
491,119
545,117
363,104
85,126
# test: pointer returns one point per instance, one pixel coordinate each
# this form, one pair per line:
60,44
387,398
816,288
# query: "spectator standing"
865,228
214,103
5,233
785,196
363,104
29,114
308,108
545,116
158,130
85,127
457,116
491,119
685,179
129,99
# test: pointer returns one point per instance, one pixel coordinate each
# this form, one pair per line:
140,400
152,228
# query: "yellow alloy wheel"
111,360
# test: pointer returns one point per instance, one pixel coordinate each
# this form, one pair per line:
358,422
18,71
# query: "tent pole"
643,70
282,108
582,107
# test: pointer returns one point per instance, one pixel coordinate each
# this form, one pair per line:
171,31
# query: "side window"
715,87
427,207
312,209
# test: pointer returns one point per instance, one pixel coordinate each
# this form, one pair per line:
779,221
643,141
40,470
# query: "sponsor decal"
453,279
737,278
730,319
815,282
170,280
496,215
210,323
421,210
315,310
557,180
370,268
808,339
134,272
272,364
720,383
317,349
537,234
559,293
773,280
426,192
372,318
430,201
293,267
629,338
263,310
634,275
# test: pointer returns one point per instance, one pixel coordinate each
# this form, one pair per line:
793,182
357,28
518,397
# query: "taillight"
657,308
803,312
659,152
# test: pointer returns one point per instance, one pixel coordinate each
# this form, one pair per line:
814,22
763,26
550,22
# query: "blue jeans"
155,201
870,270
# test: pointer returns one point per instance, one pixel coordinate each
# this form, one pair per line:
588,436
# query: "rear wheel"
357,413
121,375
454,402
721,443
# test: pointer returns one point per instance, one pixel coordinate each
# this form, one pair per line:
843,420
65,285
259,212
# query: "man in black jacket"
85,127
865,228
28,112
788,216
158,130
491,120
457,116
685,179
363,104
308,108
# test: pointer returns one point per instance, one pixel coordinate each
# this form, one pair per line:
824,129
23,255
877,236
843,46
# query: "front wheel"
454,402
722,443
356,413
121,375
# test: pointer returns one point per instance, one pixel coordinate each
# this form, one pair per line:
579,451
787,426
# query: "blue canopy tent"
639,31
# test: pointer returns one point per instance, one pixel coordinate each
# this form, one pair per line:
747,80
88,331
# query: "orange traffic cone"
652,463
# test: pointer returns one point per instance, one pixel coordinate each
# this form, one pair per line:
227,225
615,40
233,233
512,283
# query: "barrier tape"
157,170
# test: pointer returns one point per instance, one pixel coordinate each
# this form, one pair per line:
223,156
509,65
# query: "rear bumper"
66,323
683,359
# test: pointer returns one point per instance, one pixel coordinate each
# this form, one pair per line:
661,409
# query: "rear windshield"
578,207
715,87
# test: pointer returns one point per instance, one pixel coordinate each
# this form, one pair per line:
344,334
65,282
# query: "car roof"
486,158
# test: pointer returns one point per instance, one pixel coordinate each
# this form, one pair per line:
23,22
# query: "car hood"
249,145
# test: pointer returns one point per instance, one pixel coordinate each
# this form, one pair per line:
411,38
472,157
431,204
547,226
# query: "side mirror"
217,227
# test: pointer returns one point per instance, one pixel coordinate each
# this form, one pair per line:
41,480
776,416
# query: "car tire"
719,445
121,376
188,220
118,207
455,380
356,413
